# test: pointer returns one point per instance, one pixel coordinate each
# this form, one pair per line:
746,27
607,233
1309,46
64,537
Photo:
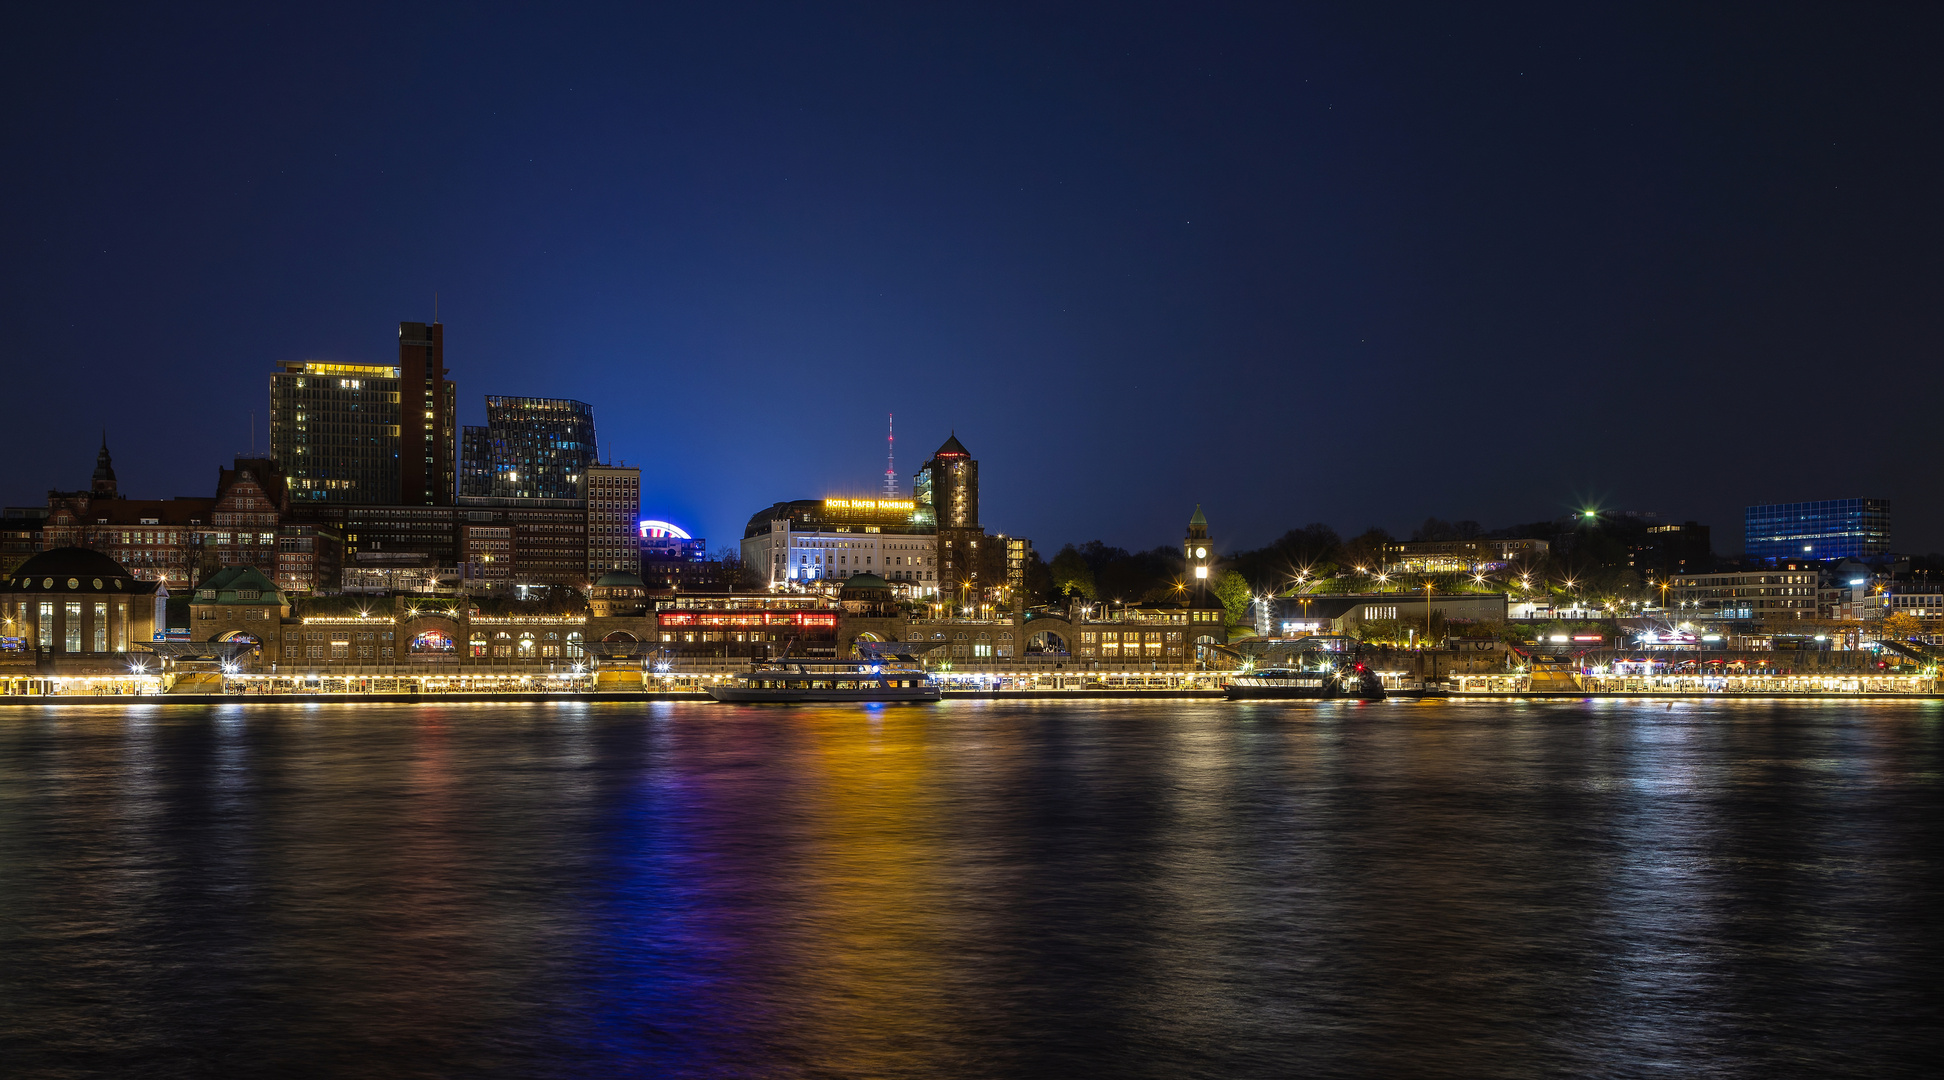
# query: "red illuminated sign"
764,618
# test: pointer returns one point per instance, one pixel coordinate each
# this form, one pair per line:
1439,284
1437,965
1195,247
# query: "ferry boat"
1320,668
827,682
1354,681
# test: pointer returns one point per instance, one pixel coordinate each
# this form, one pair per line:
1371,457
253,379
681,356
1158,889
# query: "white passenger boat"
1321,667
828,682
1349,682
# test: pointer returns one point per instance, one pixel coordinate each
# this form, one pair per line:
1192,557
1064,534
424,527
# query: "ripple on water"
1170,889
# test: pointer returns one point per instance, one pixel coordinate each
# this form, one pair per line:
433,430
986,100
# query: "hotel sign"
886,505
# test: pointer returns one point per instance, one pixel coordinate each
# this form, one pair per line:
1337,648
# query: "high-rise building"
1665,550
953,486
613,516
1831,529
428,418
334,431
530,448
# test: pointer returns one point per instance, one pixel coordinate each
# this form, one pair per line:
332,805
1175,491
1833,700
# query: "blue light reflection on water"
971,889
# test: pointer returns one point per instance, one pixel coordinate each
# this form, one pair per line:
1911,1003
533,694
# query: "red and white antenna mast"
892,489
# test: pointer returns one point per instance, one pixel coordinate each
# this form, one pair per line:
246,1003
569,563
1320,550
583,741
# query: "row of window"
76,634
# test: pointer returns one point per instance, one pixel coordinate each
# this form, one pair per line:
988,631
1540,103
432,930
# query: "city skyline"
1727,543
1511,264
960,540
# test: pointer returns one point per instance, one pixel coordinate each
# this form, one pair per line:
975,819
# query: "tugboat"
1324,668
826,681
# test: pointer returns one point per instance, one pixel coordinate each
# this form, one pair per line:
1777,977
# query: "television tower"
892,489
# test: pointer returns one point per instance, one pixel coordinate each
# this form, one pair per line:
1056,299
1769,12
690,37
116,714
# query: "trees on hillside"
1233,590
1071,575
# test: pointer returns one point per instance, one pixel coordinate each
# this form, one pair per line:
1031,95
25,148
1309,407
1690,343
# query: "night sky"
1356,266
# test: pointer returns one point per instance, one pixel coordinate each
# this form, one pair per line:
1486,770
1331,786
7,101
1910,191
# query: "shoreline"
1039,695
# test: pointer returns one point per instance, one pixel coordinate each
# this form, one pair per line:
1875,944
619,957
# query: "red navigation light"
1360,667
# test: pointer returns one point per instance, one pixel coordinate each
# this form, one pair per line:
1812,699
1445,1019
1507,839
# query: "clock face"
1201,553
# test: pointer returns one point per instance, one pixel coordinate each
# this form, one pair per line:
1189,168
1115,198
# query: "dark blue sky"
1342,265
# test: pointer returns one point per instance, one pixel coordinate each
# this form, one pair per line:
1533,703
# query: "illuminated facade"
613,519
817,540
1831,529
530,448
73,610
334,431
754,625
951,481
369,433
1460,556
1790,591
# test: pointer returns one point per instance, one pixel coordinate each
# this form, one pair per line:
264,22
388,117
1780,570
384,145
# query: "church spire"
104,474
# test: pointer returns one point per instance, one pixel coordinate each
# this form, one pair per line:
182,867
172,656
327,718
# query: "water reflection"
974,889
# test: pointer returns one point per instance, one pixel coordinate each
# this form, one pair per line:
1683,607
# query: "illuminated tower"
953,482
1198,549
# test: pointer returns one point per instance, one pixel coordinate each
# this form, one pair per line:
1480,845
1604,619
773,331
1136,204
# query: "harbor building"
73,612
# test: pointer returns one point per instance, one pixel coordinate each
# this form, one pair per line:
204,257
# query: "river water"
972,889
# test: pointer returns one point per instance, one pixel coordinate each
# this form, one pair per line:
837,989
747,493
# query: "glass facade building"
1830,529
530,448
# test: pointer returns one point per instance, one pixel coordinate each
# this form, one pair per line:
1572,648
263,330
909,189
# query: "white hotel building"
812,540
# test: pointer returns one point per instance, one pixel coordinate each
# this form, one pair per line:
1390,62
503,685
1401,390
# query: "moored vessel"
1354,681
861,682
1319,668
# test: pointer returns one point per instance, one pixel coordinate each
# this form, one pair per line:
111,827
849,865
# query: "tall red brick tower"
428,417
